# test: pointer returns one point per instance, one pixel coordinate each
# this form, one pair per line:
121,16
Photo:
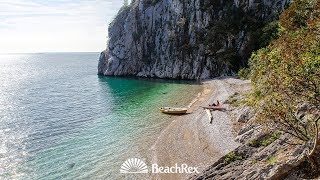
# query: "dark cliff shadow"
148,79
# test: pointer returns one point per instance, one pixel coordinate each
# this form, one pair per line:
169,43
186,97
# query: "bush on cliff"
286,74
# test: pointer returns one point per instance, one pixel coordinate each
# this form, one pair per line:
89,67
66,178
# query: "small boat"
173,110
217,108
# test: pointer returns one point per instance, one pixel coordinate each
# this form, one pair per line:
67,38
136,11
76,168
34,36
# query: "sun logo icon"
134,165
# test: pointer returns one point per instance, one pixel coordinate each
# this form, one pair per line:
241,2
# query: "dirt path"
191,139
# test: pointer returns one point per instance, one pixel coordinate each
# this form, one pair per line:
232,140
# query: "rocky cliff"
185,39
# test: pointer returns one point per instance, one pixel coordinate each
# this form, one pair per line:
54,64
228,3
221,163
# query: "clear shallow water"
59,120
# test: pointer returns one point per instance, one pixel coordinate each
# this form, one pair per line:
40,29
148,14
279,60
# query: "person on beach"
218,103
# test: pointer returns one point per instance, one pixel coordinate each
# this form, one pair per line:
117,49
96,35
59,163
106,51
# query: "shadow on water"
131,91
147,79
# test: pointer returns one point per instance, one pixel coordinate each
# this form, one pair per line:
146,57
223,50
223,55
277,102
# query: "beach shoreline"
191,139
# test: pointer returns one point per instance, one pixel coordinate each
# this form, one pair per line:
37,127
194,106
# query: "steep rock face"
184,39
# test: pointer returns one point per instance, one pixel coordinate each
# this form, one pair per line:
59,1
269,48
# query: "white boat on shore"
173,110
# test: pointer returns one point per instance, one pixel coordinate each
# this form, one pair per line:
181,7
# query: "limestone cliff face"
185,39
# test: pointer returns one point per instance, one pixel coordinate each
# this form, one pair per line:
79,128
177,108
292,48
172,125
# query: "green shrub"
254,161
271,160
262,36
264,140
286,73
244,73
254,143
233,100
271,139
232,157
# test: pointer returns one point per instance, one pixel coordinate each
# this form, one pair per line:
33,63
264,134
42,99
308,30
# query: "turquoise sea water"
59,120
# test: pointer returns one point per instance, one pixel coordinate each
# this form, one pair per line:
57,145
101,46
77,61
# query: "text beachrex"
135,165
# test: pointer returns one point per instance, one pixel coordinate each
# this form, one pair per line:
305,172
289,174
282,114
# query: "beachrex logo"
135,165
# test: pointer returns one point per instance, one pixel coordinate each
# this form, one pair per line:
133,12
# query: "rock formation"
185,39
261,155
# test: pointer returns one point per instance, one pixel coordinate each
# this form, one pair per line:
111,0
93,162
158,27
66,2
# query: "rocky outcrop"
263,154
250,161
185,39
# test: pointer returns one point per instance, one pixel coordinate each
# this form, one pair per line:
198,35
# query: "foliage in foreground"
286,74
232,157
265,140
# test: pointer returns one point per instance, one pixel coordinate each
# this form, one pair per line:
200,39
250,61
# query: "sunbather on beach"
218,103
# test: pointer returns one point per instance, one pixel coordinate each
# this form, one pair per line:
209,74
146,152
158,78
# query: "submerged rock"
190,39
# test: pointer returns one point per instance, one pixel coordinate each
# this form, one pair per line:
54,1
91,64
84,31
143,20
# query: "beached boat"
172,110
